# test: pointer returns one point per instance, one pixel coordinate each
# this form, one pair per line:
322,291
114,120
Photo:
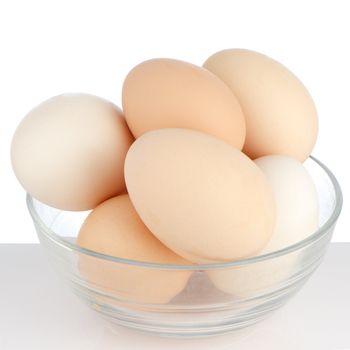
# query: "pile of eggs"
204,164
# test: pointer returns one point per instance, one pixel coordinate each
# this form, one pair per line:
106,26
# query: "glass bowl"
179,300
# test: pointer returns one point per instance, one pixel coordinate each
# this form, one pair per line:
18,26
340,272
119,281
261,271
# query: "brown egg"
280,114
167,93
69,151
200,196
114,228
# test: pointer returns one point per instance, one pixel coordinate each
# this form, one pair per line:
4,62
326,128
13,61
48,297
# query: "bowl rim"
322,230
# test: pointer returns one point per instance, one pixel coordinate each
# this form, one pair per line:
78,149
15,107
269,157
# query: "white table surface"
38,311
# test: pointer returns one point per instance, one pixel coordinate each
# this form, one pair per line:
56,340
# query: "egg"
167,93
297,217
280,114
69,151
296,198
200,196
114,228
258,278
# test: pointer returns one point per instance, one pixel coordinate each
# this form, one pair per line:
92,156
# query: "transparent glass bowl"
142,295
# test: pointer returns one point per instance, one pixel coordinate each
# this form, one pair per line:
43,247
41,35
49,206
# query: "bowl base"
181,330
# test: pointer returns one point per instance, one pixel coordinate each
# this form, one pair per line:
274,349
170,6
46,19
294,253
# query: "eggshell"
200,196
297,215
280,114
114,228
69,151
258,278
167,93
295,195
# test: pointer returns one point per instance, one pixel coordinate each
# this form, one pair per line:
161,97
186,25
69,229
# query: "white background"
52,47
